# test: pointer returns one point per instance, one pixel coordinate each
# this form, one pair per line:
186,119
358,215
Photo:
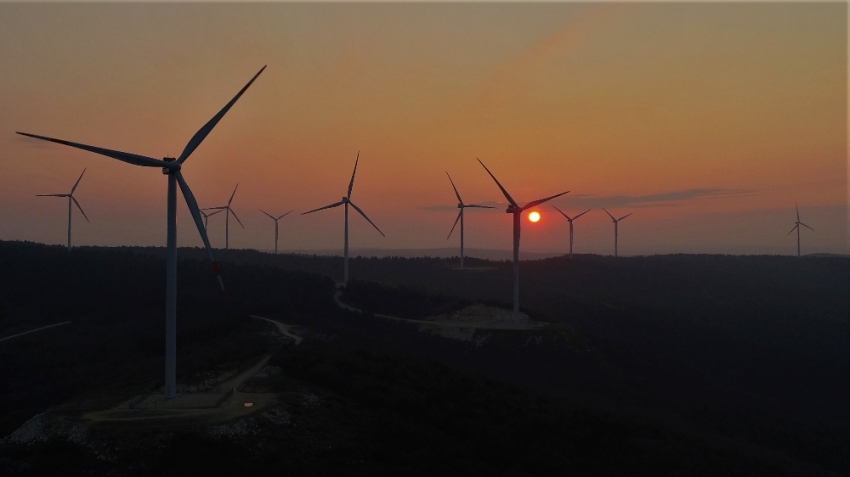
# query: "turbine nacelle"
512,209
172,166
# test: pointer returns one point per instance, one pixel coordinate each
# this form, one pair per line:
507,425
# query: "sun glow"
534,216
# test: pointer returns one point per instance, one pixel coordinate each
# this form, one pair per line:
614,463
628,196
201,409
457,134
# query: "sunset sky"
708,121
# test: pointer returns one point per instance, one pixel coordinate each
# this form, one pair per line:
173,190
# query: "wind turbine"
275,225
515,209
570,220
347,201
171,168
227,217
207,217
797,225
616,222
461,206
71,198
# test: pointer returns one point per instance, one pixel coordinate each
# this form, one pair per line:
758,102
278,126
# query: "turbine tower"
570,220
517,211
275,225
207,217
71,198
461,206
347,201
616,222
227,217
171,167
797,225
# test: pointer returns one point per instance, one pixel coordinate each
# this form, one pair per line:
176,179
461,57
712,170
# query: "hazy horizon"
708,121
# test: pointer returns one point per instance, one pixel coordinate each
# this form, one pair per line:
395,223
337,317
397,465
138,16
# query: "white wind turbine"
207,217
570,220
347,201
517,211
171,167
275,225
461,206
227,217
616,223
71,198
797,225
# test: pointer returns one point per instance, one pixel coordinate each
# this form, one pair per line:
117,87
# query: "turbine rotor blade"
199,223
459,200
455,224
479,206
205,130
323,208
78,181
795,228
507,196
127,157
562,213
79,207
52,195
367,218
806,226
270,215
798,211
623,217
534,203
216,212
284,215
235,217
609,214
579,215
234,193
215,208
351,184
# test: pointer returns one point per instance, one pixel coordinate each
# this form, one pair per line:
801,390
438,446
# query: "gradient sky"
707,120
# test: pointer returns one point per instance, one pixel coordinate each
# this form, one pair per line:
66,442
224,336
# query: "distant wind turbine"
207,217
171,167
71,198
517,211
227,217
461,206
797,225
570,220
275,225
347,201
616,223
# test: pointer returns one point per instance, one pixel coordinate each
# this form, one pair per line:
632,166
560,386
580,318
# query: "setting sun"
534,216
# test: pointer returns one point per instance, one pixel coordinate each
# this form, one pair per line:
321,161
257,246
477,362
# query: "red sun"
534,216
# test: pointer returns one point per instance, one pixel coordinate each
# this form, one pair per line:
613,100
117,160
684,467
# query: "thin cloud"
499,207
589,201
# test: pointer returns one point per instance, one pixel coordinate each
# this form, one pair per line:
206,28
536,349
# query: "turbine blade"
479,206
323,208
609,214
216,208
795,228
284,215
79,207
199,223
205,130
798,211
806,226
52,195
237,218
534,203
78,181
216,212
579,215
127,157
455,224
507,196
234,193
623,217
270,215
459,200
351,184
562,213
367,218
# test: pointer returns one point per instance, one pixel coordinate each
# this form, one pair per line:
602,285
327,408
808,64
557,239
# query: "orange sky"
708,121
